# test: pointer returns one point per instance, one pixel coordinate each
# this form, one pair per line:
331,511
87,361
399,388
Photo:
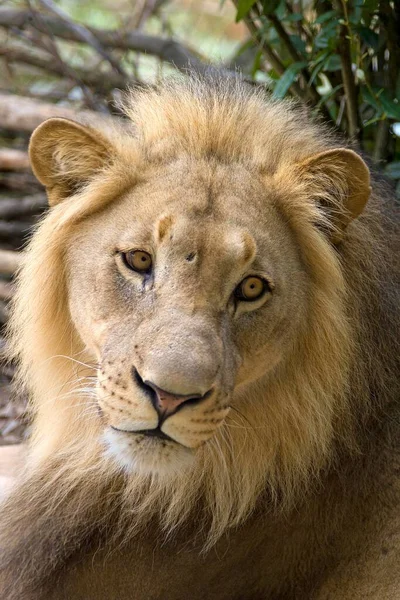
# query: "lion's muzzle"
170,390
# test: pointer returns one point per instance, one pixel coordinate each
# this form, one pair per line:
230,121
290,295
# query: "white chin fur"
146,455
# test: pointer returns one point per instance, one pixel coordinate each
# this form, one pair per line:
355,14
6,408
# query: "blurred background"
341,58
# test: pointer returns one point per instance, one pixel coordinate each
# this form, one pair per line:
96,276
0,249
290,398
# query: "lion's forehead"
210,206
203,189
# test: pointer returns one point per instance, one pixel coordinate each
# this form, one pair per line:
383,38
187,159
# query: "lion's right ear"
339,180
65,155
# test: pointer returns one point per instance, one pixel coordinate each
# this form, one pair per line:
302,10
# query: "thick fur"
307,454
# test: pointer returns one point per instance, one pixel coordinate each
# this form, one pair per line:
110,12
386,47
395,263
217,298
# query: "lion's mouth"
157,433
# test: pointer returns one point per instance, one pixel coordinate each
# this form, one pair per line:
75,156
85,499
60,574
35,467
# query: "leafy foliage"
340,56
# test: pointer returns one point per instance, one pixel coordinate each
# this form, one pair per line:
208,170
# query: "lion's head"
182,309
186,290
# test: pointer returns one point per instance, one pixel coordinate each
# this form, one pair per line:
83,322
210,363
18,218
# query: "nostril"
143,385
137,378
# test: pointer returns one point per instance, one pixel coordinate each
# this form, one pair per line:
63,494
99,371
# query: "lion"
207,322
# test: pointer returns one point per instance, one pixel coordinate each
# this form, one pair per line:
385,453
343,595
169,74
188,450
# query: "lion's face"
185,290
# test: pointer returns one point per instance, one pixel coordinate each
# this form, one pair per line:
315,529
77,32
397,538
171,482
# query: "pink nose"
167,403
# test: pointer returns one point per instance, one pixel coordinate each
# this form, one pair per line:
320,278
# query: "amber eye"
138,260
251,288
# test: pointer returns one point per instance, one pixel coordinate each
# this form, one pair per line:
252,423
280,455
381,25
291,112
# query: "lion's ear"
340,181
65,155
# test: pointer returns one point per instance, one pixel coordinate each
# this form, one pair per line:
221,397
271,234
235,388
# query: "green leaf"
368,10
393,170
318,64
298,43
315,72
379,99
243,8
328,37
287,79
321,56
325,16
269,6
333,63
391,108
293,18
281,10
370,98
330,27
355,15
370,37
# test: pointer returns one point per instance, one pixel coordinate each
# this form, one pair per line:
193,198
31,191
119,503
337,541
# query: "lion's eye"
138,260
251,288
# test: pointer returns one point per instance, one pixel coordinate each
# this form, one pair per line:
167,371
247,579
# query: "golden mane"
316,403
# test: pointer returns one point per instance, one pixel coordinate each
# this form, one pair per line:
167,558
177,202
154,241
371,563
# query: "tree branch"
14,229
344,50
85,35
14,160
24,114
381,141
6,290
49,44
27,206
99,80
9,261
167,49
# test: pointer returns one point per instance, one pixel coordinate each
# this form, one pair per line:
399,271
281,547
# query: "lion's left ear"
65,155
340,182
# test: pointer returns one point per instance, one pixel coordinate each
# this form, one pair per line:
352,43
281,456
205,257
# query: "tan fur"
216,182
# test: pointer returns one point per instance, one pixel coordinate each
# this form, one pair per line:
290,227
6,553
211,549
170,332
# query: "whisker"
94,366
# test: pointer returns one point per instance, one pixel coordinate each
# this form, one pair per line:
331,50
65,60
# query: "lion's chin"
143,455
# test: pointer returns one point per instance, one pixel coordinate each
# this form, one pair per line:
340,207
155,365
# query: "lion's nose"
167,402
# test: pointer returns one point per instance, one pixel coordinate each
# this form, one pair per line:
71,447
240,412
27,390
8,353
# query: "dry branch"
167,49
24,114
9,261
4,312
14,229
24,182
13,160
14,208
85,35
102,81
6,290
